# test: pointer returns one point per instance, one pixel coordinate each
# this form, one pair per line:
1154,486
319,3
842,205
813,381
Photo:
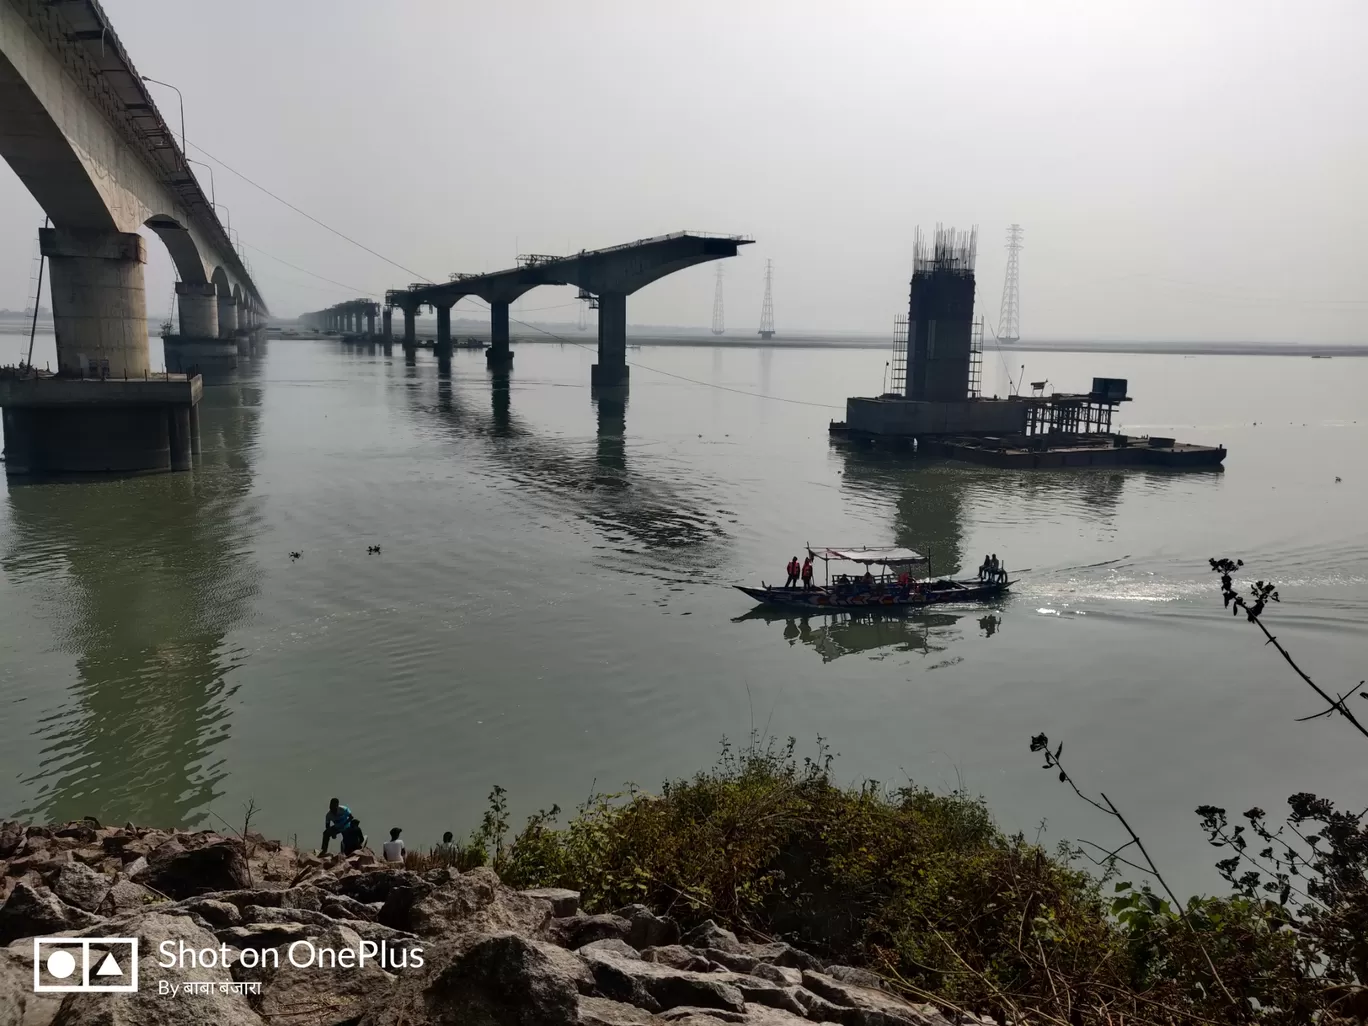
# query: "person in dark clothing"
337,823
807,574
792,570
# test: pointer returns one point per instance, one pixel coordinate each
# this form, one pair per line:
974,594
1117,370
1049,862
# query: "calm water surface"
551,608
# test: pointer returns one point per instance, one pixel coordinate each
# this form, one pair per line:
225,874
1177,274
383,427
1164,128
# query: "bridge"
80,129
605,277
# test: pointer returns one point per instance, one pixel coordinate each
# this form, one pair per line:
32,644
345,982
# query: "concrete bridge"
354,317
79,128
605,277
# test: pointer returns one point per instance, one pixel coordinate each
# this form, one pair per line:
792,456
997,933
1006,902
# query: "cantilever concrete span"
354,317
79,128
605,276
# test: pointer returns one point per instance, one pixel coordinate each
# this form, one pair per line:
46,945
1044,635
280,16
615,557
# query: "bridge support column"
198,346
370,323
611,368
387,324
410,328
444,331
99,308
498,354
227,313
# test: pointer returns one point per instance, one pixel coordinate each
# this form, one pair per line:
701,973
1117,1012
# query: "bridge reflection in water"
145,578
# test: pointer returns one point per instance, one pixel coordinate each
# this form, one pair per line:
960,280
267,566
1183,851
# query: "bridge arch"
181,245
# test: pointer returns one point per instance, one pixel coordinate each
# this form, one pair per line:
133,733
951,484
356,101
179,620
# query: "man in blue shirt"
337,822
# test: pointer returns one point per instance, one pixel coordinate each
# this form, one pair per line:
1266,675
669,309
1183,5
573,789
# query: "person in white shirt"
394,848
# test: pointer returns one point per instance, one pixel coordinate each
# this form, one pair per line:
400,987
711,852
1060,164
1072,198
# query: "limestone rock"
260,936
594,1011
324,995
657,987
613,946
218,913
29,913
684,1013
710,935
498,980
782,975
781,953
648,929
577,931
79,885
126,896
376,886
146,1006
185,873
676,957
11,836
262,914
19,1006
736,963
449,903
858,977
339,906
564,903
871,1007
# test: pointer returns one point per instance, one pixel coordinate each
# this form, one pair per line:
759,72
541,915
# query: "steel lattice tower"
767,308
717,324
1009,317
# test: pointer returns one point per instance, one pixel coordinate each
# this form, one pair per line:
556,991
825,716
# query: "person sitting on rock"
447,849
338,820
393,849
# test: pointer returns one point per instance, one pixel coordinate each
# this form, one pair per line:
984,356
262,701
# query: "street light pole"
156,81
220,206
212,193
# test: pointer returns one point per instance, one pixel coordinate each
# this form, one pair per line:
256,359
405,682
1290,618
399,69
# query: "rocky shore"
428,947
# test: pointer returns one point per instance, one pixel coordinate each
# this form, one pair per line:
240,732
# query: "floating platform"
1045,452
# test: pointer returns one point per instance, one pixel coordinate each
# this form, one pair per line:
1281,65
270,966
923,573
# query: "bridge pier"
370,323
498,355
387,324
444,331
103,412
227,313
611,368
410,328
198,345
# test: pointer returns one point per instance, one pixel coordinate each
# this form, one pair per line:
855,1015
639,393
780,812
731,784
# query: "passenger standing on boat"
807,574
992,567
868,580
792,569
1002,573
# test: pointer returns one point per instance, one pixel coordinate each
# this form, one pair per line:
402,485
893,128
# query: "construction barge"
935,404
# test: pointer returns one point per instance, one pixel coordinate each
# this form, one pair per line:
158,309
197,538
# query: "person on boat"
985,568
1002,573
793,571
867,580
905,583
807,574
992,566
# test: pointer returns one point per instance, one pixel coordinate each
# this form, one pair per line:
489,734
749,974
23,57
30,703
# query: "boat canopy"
890,555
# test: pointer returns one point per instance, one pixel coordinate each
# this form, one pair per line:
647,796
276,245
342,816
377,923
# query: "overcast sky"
1184,170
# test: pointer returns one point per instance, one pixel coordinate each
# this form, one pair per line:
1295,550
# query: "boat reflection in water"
832,635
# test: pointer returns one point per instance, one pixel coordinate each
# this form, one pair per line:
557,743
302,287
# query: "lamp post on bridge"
157,81
213,193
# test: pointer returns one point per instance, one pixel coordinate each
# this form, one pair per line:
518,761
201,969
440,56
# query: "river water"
550,609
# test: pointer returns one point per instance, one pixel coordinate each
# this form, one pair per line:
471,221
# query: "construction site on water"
935,404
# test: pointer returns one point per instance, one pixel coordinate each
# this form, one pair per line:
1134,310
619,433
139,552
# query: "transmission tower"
1009,317
767,308
717,326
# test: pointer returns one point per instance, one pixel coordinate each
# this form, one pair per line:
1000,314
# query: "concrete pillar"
611,368
227,312
99,308
178,436
370,321
198,303
410,329
498,354
387,323
444,329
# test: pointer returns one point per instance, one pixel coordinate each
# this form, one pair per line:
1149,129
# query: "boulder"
126,896
736,963
146,1006
323,995
612,945
447,903
657,987
498,980
29,913
577,931
870,1007
859,977
217,913
782,975
648,929
594,1011
339,906
11,836
710,935
676,957
686,1014
260,936
564,903
79,885
780,953
376,886
262,914
819,1009
19,1006
179,872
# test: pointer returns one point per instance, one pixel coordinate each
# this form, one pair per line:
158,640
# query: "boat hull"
822,600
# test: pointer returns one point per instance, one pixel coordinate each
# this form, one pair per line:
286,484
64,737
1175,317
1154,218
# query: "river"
550,608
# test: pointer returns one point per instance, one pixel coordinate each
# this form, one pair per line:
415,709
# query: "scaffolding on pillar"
898,365
976,359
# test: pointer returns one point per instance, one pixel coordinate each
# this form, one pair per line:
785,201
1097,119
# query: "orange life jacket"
807,571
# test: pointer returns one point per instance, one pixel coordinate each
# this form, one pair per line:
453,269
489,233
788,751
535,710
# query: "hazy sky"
1182,170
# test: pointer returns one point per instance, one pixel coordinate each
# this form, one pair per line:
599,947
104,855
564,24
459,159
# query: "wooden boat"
893,588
